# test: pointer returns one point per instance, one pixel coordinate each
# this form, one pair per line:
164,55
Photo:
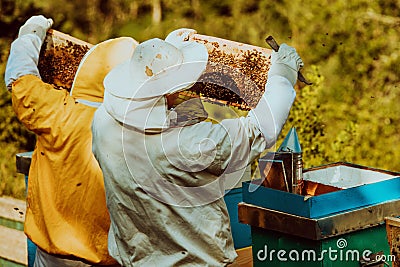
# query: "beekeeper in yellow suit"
66,215
164,174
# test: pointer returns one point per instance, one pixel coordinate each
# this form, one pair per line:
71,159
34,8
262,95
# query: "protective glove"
38,25
25,50
286,62
180,36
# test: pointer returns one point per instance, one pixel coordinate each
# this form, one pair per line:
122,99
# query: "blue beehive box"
241,233
356,186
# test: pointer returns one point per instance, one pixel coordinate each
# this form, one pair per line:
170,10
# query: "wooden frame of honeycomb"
235,74
60,57
239,71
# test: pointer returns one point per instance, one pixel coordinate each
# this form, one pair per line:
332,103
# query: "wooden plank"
321,228
13,246
278,221
6,263
12,209
245,257
393,221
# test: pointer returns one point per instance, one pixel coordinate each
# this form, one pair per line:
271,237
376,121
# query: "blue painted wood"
276,199
325,204
355,197
241,233
31,253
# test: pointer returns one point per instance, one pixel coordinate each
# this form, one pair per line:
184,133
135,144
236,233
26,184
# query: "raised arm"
271,112
25,50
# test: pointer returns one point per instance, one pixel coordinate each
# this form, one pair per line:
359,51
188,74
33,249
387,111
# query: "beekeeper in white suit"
164,176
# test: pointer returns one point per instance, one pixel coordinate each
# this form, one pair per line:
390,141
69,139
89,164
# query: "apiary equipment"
341,209
283,170
236,72
235,75
60,57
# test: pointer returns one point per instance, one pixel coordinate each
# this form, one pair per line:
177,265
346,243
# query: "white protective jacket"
165,189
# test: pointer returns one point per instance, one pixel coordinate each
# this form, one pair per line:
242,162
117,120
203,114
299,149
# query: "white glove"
25,50
286,62
38,25
179,36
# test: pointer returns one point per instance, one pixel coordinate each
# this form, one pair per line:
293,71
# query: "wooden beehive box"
356,185
235,75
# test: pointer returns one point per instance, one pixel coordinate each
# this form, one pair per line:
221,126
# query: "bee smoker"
283,169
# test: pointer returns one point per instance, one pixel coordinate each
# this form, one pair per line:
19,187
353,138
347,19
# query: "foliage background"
350,49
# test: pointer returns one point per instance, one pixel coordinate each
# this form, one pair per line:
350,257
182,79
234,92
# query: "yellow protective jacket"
66,207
